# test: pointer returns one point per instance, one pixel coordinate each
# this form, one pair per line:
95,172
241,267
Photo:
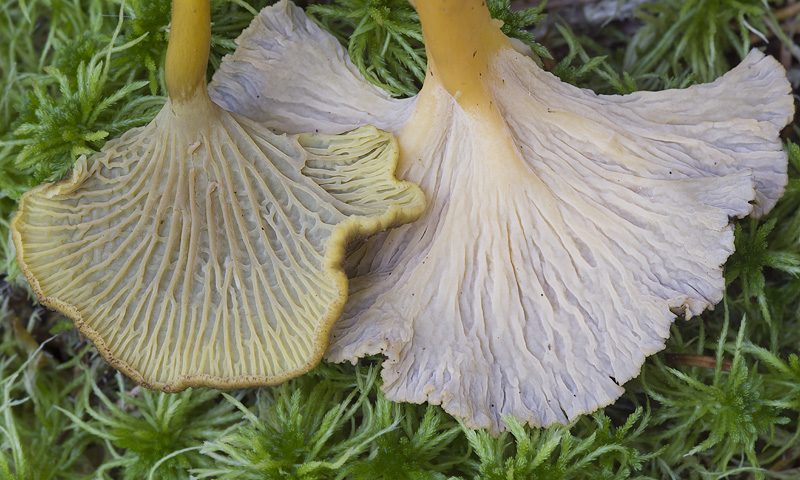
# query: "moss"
720,402
384,38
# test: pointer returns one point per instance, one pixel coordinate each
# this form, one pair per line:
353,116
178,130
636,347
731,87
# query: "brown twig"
789,11
697,361
787,460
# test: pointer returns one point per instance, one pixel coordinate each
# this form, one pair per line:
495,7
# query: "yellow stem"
460,39
187,53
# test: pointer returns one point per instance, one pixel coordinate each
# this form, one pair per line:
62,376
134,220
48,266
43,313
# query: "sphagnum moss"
737,417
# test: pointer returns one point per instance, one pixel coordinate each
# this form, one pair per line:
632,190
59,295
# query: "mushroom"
565,230
202,249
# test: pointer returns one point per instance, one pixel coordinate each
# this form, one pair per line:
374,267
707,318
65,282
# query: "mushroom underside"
530,287
558,245
205,250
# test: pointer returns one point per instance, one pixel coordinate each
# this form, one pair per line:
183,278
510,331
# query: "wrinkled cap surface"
564,231
203,249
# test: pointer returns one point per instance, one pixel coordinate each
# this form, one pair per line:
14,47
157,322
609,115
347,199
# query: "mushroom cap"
565,230
204,250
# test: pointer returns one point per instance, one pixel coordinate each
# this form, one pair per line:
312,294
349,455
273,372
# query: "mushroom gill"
565,230
202,249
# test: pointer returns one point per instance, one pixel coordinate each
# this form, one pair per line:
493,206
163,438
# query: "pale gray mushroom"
564,231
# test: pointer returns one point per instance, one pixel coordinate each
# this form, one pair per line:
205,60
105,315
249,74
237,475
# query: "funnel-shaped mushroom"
565,230
203,249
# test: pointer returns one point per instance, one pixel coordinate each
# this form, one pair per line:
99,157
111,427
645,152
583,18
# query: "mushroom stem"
460,38
187,53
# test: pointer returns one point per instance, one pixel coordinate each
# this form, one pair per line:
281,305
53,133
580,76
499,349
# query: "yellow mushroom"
202,249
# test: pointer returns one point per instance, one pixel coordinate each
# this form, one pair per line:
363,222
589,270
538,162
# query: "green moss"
334,423
53,133
384,37
694,36
589,448
720,412
517,23
410,442
152,434
722,401
33,386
